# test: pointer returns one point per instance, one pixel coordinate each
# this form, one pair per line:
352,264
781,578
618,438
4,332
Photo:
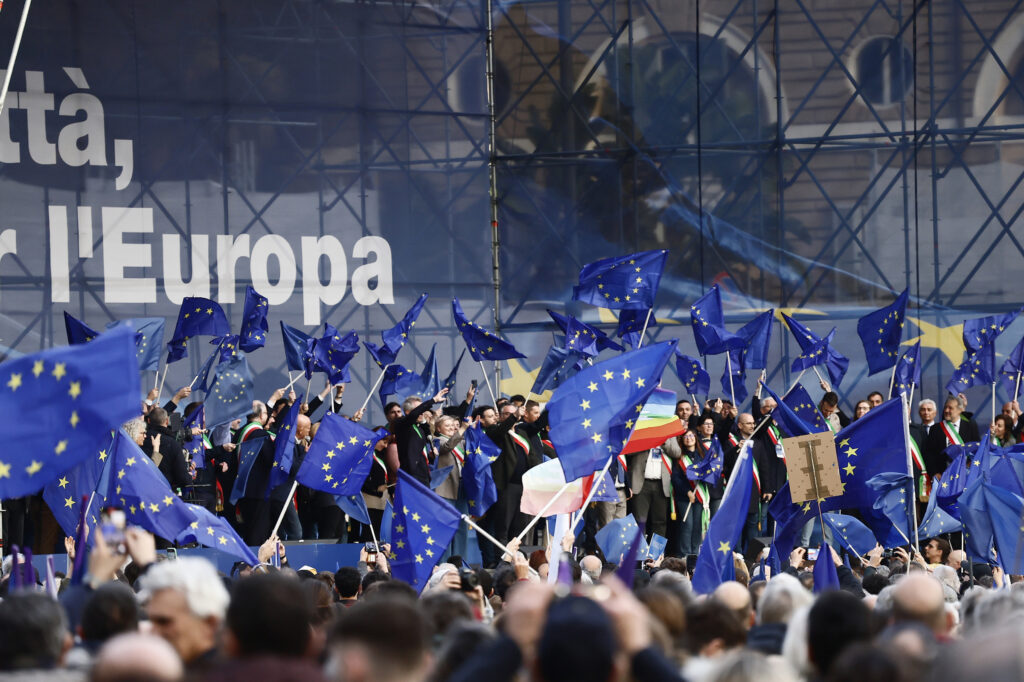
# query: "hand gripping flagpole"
14,55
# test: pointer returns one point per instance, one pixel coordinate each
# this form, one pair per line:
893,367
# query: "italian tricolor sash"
924,484
520,441
952,435
247,431
732,440
774,434
460,454
383,466
700,490
757,474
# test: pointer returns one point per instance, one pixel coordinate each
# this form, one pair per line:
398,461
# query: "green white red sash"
700,490
774,433
924,484
952,435
520,441
757,473
248,430
383,466
459,453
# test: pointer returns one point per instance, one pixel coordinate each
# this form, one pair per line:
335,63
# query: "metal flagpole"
798,378
489,389
287,501
728,367
590,496
647,319
14,55
544,509
375,386
484,534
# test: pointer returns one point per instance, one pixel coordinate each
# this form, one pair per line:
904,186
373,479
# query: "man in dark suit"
942,435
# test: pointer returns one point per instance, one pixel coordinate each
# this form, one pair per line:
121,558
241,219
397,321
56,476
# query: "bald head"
736,598
918,598
302,425
591,565
745,423
137,657
956,558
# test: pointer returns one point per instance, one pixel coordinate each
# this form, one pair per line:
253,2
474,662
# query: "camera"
112,525
468,580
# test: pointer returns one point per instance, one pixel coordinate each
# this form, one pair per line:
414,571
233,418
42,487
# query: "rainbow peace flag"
657,422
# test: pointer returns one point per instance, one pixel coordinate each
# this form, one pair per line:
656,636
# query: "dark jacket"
935,445
503,468
259,474
767,638
172,462
411,438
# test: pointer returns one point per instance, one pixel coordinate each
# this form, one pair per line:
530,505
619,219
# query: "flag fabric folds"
622,282
788,421
478,488
593,413
936,520
757,335
1011,370
332,353
817,351
482,344
340,456
851,533
231,393
196,317
429,384
248,451
214,531
559,364
284,448
892,488
64,495
59,406
78,331
149,339
800,401
715,560
708,322
631,325
982,331
657,422
977,369
423,525
616,536
735,384
297,346
709,468
253,334
449,381
881,331
600,338
395,337
825,575
693,375
908,371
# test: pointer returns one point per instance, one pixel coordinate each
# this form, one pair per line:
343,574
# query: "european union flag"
805,338
953,481
196,317
482,344
284,448
593,413
736,384
580,338
825,575
78,331
1010,372
908,371
149,339
800,401
138,487
59,406
380,354
340,456
195,445
559,364
874,444
822,353
201,382
616,536
332,353
757,335
227,346
881,331
788,421
714,560
691,372
296,349
397,379
602,339
709,468
248,451
65,494
449,381
622,282
231,393
936,520
708,323
631,325
423,525
253,333
982,331
851,533
626,570
979,536
385,523
891,488
977,369
213,531
396,337
428,385
354,506
478,486
1006,511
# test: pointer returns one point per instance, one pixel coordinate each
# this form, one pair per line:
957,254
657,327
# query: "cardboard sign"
812,466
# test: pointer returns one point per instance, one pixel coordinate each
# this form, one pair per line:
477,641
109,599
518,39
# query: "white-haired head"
196,579
782,596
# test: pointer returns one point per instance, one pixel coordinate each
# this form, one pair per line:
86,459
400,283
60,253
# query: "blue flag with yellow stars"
482,344
211,530
195,445
559,364
380,354
954,478
1010,372
622,282
602,340
874,444
332,353
449,381
825,575
881,331
149,339
429,385
757,334
982,331
788,421
196,317
284,448
715,560
580,338
691,372
734,385
937,521
800,401
340,456
615,537
708,322
396,337
231,393
78,331
822,353
478,488
1005,511
977,369
202,381
709,468
805,338
59,406
851,533
398,380
253,333
892,500
423,525
632,323
908,371
227,346
593,413
248,451
65,495
296,347
138,487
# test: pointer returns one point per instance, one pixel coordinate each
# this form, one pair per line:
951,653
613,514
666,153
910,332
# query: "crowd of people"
910,614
